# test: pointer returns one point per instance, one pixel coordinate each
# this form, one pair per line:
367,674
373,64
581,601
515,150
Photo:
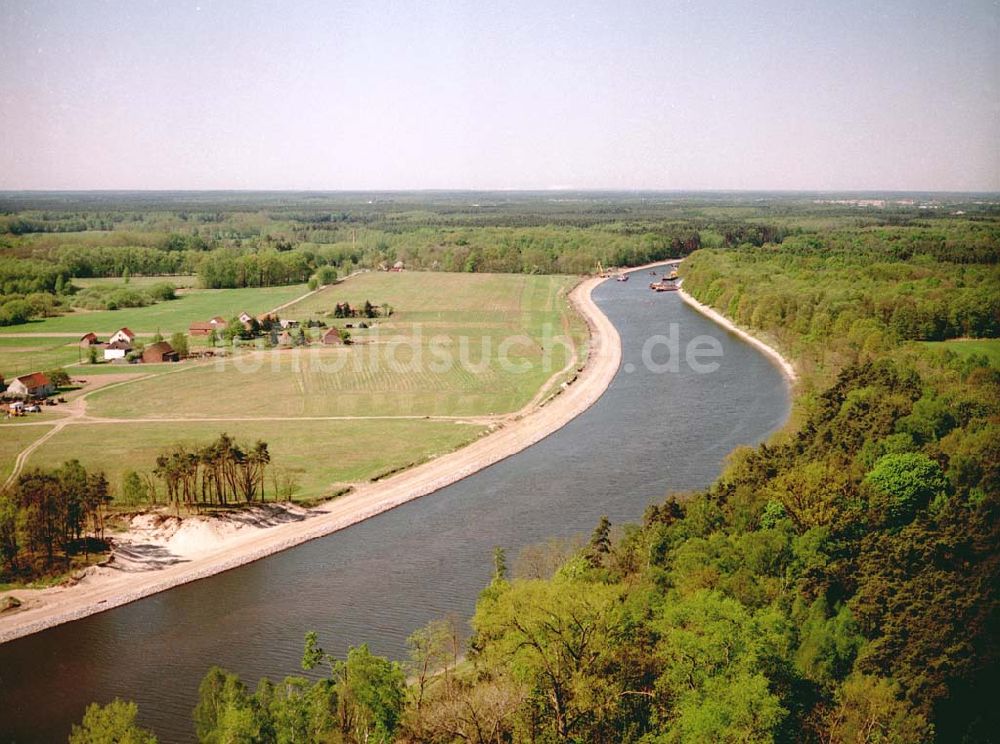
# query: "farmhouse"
161,351
217,324
286,324
332,338
117,350
89,340
35,385
123,335
245,317
398,266
285,339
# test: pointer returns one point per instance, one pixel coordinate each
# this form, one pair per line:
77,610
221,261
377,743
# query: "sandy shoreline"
180,557
783,364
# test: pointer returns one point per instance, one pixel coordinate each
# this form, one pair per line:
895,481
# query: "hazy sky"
775,94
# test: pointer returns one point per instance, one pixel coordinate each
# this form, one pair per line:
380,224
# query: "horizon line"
518,190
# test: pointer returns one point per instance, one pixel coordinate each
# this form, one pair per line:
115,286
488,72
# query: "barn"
332,338
159,352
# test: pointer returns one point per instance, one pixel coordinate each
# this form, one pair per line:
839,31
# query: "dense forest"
836,584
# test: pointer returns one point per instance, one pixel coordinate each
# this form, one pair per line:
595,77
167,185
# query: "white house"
123,335
116,350
35,385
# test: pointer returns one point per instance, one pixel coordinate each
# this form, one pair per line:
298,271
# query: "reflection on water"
378,581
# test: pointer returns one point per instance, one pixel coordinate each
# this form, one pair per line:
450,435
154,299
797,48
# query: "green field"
320,455
167,317
426,360
13,439
966,347
21,356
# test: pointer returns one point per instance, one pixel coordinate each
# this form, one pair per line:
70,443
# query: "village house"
89,340
117,350
245,317
217,324
332,338
398,266
286,324
123,335
161,351
285,339
35,385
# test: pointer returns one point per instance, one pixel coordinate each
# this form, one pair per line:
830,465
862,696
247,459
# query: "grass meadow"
13,439
167,317
21,356
321,456
438,355
966,347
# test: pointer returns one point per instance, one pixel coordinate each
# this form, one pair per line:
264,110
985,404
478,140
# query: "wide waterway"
651,433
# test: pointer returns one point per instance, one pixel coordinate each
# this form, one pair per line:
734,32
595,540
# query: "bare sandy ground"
155,555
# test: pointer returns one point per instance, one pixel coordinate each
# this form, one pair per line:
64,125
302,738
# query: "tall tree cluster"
221,472
48,516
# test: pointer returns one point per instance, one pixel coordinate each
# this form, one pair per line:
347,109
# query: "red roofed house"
89,340
124,335
35,385
332,338
217,324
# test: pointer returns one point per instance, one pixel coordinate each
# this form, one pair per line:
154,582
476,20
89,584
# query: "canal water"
657,429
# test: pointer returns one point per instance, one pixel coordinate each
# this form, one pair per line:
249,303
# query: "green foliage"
179,343
55,512
362,701
59,377
114,723
828,644
903,484
869,709
133,492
